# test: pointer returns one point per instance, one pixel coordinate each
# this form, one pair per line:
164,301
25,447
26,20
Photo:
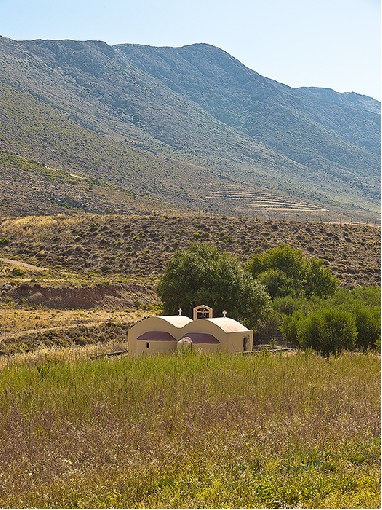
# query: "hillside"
310,122
42,139
186,127
120,248
77,279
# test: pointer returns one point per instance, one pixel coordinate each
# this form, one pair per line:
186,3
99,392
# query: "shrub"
362,304
327,331
368,323
289,327
16,272
287,305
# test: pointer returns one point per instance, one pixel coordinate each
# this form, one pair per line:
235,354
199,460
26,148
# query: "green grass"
191,431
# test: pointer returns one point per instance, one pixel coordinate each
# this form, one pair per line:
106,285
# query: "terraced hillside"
113,129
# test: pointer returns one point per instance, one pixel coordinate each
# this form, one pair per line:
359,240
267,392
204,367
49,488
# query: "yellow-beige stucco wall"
149,347
228,341
234,342
137,347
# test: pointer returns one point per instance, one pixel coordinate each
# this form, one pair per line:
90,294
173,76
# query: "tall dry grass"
191,431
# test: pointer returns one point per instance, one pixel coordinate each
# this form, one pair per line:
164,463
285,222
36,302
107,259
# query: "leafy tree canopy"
287,271
308,321
328,331
201,274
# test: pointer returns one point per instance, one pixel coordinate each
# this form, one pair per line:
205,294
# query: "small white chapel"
167,333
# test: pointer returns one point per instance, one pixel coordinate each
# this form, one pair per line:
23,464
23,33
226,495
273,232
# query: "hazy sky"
323,43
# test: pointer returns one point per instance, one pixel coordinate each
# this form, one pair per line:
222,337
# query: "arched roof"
176,320
228,325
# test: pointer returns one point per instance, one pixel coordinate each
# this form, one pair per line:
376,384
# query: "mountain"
139,127
326,132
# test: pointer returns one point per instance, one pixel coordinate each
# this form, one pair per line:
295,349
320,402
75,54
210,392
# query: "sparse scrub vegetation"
107,243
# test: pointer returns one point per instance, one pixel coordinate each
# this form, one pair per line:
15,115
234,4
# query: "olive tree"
201,274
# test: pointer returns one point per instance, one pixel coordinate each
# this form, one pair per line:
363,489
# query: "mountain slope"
313,129
191,126
56,152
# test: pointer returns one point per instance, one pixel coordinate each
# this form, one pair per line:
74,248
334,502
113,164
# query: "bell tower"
202,312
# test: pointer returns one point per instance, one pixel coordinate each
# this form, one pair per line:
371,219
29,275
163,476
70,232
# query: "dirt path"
23,265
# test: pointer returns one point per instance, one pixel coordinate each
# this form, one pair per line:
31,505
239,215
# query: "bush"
287,305
360,296
362,304
289,327
368,323
327,331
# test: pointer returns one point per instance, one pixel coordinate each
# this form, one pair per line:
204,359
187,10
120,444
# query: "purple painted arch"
201,338
157,335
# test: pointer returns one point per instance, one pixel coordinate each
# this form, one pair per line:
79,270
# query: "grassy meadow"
81,428
222,431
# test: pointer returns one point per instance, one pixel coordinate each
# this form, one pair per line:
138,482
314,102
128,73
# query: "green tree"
327,330
319,280
368,323
203,275
276,282
286,271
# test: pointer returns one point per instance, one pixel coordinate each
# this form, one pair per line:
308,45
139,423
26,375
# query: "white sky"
322,43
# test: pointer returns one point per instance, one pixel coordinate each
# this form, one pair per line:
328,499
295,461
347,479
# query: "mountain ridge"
128,96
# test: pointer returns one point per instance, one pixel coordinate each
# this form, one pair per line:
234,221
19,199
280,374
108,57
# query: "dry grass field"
190,431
